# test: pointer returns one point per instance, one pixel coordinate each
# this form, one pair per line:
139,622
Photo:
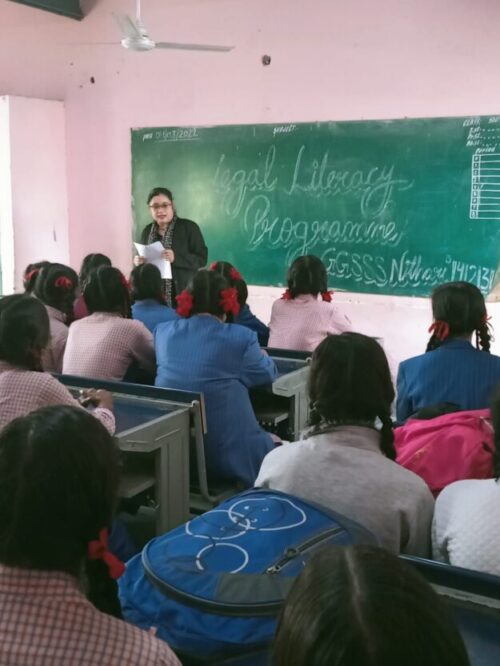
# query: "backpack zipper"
291,553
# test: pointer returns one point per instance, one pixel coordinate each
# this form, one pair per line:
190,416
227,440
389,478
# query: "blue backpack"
214,587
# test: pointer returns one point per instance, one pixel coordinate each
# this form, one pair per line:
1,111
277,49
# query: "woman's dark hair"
495,417
107,291
89,264
461,306
157,191
231,274
31,273
350,382
307,275
58,487
205,288
363,606
146,282
56,286
24,331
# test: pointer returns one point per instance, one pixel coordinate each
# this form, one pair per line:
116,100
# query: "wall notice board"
392,207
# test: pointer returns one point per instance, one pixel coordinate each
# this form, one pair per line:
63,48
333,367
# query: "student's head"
363,606
146,282
307,275
161,205
58,487
31,273
56,286
107,291
350,382
208,293
89,264
234,279
24,331
459,310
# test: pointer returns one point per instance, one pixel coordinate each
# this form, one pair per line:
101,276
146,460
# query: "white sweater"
466,526
345,471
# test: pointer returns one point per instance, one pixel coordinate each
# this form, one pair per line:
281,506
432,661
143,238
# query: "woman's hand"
169,255
98,398
138,260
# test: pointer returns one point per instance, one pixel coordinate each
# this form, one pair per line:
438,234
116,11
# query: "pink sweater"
303,322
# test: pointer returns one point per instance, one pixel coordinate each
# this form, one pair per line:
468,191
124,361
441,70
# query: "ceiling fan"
136,37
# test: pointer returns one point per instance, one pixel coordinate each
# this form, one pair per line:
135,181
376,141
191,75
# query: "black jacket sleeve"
189,246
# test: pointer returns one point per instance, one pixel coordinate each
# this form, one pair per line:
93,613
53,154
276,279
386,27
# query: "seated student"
89,264
362,606
202,353
106,343
55,288
24,387
466,525
298,319
58,594
451,370
149,304
347,464
31,273
245,316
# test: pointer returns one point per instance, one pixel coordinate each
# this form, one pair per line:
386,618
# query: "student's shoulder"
239,333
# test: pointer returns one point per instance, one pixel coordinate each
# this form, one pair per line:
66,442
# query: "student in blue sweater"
452,369
245,317
204,352
147,295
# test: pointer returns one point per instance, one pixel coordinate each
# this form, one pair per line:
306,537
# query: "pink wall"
330,60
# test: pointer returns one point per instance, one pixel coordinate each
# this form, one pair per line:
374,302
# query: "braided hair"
58,488
31,273
461,308
307,275
350,383
234,279
56,286
107,291
24,331
146,282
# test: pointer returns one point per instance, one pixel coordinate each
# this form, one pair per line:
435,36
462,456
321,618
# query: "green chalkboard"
392,207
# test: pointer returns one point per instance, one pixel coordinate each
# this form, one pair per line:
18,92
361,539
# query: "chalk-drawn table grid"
485,187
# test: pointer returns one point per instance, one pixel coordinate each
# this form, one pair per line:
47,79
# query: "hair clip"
98,550
184,303
441,329
287,295
63,282
235,275
327,296
213,266
33,273
229,300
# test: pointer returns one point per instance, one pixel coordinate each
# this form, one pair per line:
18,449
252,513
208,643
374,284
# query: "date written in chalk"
284,129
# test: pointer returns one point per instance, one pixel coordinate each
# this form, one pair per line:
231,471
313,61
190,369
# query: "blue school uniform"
247,318
152,313
454,372
222,361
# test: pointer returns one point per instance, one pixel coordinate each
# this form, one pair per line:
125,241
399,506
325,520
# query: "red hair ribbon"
63,282
286,295
98,550
485,319
327,296
29,276
234,274
213,266
124,282
184,303
440,329
229,300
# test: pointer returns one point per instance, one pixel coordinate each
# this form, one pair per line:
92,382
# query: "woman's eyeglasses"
163,206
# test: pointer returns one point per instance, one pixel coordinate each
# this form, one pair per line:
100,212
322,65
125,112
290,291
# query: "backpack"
214,587
447,448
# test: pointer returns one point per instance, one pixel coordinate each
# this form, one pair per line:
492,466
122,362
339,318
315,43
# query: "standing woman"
182,239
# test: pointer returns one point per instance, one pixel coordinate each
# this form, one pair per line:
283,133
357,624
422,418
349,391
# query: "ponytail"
102,590
483,336
387,437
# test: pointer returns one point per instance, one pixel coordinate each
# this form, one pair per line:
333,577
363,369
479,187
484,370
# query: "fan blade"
127,26
192,47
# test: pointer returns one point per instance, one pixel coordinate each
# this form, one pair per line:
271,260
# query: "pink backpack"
447,448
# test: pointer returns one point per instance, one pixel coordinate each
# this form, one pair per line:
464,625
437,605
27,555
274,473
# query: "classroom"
83,120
